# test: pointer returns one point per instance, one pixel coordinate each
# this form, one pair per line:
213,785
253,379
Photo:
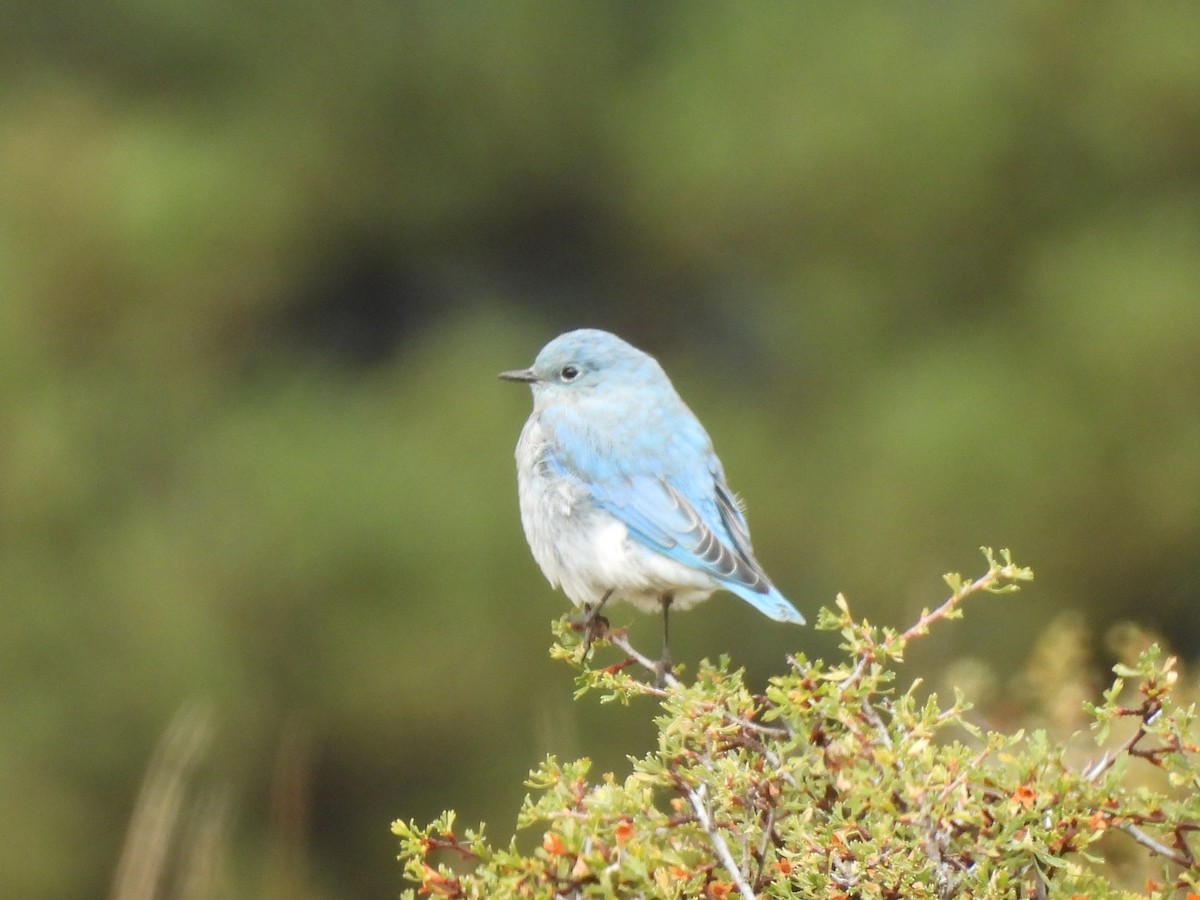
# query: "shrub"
836,783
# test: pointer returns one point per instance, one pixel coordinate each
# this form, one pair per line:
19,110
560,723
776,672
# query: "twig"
1154,846
768,829
859,668
621,642
982,583
1148,711
696,801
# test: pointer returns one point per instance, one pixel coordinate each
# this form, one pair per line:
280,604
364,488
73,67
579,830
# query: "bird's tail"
769,603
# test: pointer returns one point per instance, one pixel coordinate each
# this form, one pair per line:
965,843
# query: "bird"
621,494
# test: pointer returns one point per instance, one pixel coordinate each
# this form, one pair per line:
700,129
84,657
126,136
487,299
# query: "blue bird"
622,496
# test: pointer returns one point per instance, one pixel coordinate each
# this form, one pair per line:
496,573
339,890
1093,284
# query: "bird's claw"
593,625
662,668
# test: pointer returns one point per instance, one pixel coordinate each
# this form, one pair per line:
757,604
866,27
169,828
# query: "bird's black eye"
569,373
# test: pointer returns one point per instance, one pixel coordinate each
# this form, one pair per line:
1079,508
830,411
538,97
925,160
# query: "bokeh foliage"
929,274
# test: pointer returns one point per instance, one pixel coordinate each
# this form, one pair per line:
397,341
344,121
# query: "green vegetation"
836,782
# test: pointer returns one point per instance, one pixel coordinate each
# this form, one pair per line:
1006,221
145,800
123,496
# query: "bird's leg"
591,623
664,663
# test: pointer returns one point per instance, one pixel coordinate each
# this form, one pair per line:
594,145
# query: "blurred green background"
930,274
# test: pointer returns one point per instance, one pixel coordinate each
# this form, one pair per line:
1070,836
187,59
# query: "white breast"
586,550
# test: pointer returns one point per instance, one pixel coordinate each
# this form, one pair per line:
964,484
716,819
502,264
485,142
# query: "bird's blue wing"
659,516
708,533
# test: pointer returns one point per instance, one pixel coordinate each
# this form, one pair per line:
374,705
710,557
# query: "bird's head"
579,362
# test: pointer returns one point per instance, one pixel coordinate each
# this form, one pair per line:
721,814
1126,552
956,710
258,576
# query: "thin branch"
620,640
696,801
770,731
982,583
859,668
1155,847
767,832
954,785
1102,765
1108,760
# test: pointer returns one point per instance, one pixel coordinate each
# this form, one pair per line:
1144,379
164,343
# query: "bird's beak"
525,375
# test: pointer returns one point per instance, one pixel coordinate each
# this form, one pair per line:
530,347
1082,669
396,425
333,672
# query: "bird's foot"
662,668
593,625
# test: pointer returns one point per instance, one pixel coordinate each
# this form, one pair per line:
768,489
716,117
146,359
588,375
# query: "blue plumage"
621,493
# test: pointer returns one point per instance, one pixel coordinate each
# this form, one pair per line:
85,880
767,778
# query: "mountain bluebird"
621,494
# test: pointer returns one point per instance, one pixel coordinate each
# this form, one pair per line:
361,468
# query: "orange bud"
553,845
623,832
1024,796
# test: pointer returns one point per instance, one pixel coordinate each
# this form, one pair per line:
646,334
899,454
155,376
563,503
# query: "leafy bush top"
834,783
